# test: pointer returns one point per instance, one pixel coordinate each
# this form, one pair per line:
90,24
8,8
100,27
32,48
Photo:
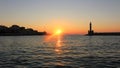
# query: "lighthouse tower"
90,31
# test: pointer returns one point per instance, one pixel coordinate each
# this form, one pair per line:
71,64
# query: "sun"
58,32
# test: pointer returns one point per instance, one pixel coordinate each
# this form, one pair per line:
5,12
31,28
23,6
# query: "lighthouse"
90,31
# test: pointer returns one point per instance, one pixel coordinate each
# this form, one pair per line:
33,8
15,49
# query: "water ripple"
69,52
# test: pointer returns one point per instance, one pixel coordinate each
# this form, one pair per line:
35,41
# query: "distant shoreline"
16,30
105,34
24,35
92,33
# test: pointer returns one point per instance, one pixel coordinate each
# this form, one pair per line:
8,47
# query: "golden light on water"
56,38
58,46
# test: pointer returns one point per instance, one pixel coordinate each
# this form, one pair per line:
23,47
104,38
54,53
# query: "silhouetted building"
16,30
90,31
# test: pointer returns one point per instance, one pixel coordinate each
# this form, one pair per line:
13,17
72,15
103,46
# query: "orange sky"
71,16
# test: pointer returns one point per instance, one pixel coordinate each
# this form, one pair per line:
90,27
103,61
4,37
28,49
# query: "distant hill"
16,30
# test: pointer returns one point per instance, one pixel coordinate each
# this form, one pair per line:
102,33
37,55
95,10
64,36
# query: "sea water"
69,51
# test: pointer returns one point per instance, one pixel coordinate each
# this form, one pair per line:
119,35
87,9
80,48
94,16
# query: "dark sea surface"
70,51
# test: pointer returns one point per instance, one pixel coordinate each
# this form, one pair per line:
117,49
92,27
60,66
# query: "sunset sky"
71,16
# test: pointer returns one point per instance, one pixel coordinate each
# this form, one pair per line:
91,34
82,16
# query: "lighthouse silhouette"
90,31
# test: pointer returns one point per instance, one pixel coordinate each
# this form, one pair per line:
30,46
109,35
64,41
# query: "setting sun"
58,32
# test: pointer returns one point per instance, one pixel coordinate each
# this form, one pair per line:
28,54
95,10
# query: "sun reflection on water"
56,42
58,46
56,38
